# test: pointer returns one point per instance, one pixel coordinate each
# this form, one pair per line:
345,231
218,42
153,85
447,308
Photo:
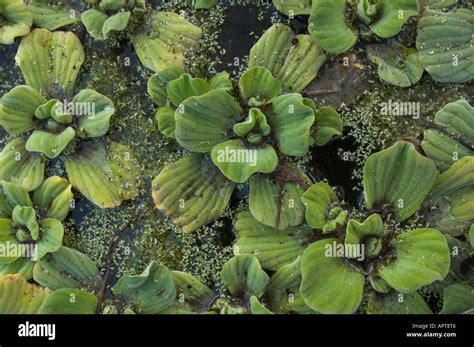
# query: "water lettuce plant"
15,20
390,258
31,226
159,38
50,119
243,138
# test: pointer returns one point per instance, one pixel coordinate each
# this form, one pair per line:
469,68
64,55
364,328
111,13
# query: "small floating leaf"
322,276
328,124
50,144
157,84
294,60
94,119
192,192
273,248
397,64
203,121
421,257
283,291
276,204
50,61
165,44
328,26
458,298
455,139
257,85
397,303
243,275
20,297
69,301
16,20
238,162
17,109
54,196
107,177
393,14
66,268
399,176
291,122
446,46
150,292
322,208
52,14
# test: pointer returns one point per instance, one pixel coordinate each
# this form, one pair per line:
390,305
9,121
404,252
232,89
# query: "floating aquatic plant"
389,257
160,38
15,20
235,141
45,111
31,226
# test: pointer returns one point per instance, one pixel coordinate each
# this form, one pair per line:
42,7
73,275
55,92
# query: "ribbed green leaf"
50,62
19,297
329,284
48,143
16,20
458,298
256,307
273,248
446,45
157,84
455,139
257,86
17,109
276,204
107,177
192,192
238,162
372,226
328,124
21,167
398,176
328,26
51,238
54,196
191,292
52,14
166,122
397,64
94,119
69,301
166,41
184,87
323,210
16,195
291,121
397,303
294,60
150,292
283,291
421,257
204,121
393,14
66,268
244,276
